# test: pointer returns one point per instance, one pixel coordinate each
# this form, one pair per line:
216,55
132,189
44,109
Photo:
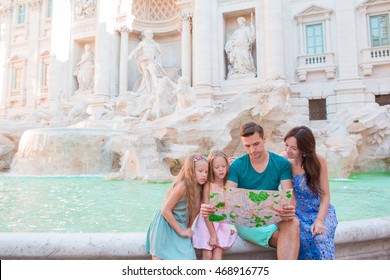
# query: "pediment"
314,10
369,3
16,58
45,53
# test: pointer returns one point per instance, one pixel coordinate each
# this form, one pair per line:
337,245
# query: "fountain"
130,147
124,146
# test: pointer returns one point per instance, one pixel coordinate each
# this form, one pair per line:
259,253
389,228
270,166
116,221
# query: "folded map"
251,208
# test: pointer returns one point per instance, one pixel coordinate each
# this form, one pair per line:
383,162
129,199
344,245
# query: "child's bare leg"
207,254
155,258
217,253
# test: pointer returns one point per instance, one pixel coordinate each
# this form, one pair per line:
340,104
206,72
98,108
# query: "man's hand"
288,212
206,210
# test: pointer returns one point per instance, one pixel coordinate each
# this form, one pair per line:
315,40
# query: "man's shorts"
257,235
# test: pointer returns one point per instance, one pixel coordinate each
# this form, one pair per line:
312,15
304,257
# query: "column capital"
186,15
121,28
34,4
124,23
6,8
186,18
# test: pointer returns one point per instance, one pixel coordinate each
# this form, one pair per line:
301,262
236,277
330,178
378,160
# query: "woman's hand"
317,227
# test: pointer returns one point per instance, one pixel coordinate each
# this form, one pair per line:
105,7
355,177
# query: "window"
314,39
379,29
382,100
21,14
17,66
45,72
50,8
17,78
315,52
317,109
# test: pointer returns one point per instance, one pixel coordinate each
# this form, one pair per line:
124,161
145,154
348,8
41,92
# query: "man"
263,170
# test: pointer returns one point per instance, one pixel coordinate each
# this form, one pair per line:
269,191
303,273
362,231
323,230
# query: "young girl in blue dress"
169,234
316,215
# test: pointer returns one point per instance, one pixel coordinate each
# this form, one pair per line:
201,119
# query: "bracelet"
320,219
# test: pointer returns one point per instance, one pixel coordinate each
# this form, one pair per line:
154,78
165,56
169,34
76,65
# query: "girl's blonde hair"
187,176
213,155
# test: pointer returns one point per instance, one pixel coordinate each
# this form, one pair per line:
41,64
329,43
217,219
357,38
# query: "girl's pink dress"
200,239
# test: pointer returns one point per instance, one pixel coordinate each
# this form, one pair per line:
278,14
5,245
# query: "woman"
317,216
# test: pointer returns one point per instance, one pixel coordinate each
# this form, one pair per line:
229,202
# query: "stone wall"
355,240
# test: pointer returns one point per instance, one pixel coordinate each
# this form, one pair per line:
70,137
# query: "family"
308,224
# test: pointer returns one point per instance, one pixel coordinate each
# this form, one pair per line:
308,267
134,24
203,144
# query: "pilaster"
202,51
275,42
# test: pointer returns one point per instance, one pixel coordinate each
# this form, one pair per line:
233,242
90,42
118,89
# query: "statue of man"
239,49
148,55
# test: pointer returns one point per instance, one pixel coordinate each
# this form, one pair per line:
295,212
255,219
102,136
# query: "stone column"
103,54
274,40
59,49
202,51
33,53
115,65
202,43
6,18
124,25
186,61
124,49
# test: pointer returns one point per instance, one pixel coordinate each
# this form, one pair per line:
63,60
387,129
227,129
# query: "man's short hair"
251,128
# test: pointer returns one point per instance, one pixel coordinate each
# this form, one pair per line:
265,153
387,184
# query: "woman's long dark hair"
307,145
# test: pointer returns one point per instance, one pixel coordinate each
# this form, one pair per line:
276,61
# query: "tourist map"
243,207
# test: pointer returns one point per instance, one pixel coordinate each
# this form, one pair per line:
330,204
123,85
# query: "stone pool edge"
355,240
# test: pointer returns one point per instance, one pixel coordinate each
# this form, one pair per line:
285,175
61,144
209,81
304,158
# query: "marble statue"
56,114
148,56
184,93
85,69
239,50
85,8
163,102
62,112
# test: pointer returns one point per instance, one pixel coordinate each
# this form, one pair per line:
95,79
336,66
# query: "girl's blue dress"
321,246
164,242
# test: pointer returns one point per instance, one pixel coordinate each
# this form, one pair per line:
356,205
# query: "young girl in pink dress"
213,238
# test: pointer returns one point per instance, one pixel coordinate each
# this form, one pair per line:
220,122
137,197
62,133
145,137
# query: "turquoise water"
93,204
361,196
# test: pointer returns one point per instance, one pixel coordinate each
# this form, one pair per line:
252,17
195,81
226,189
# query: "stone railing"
371,57
362,239
316,62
